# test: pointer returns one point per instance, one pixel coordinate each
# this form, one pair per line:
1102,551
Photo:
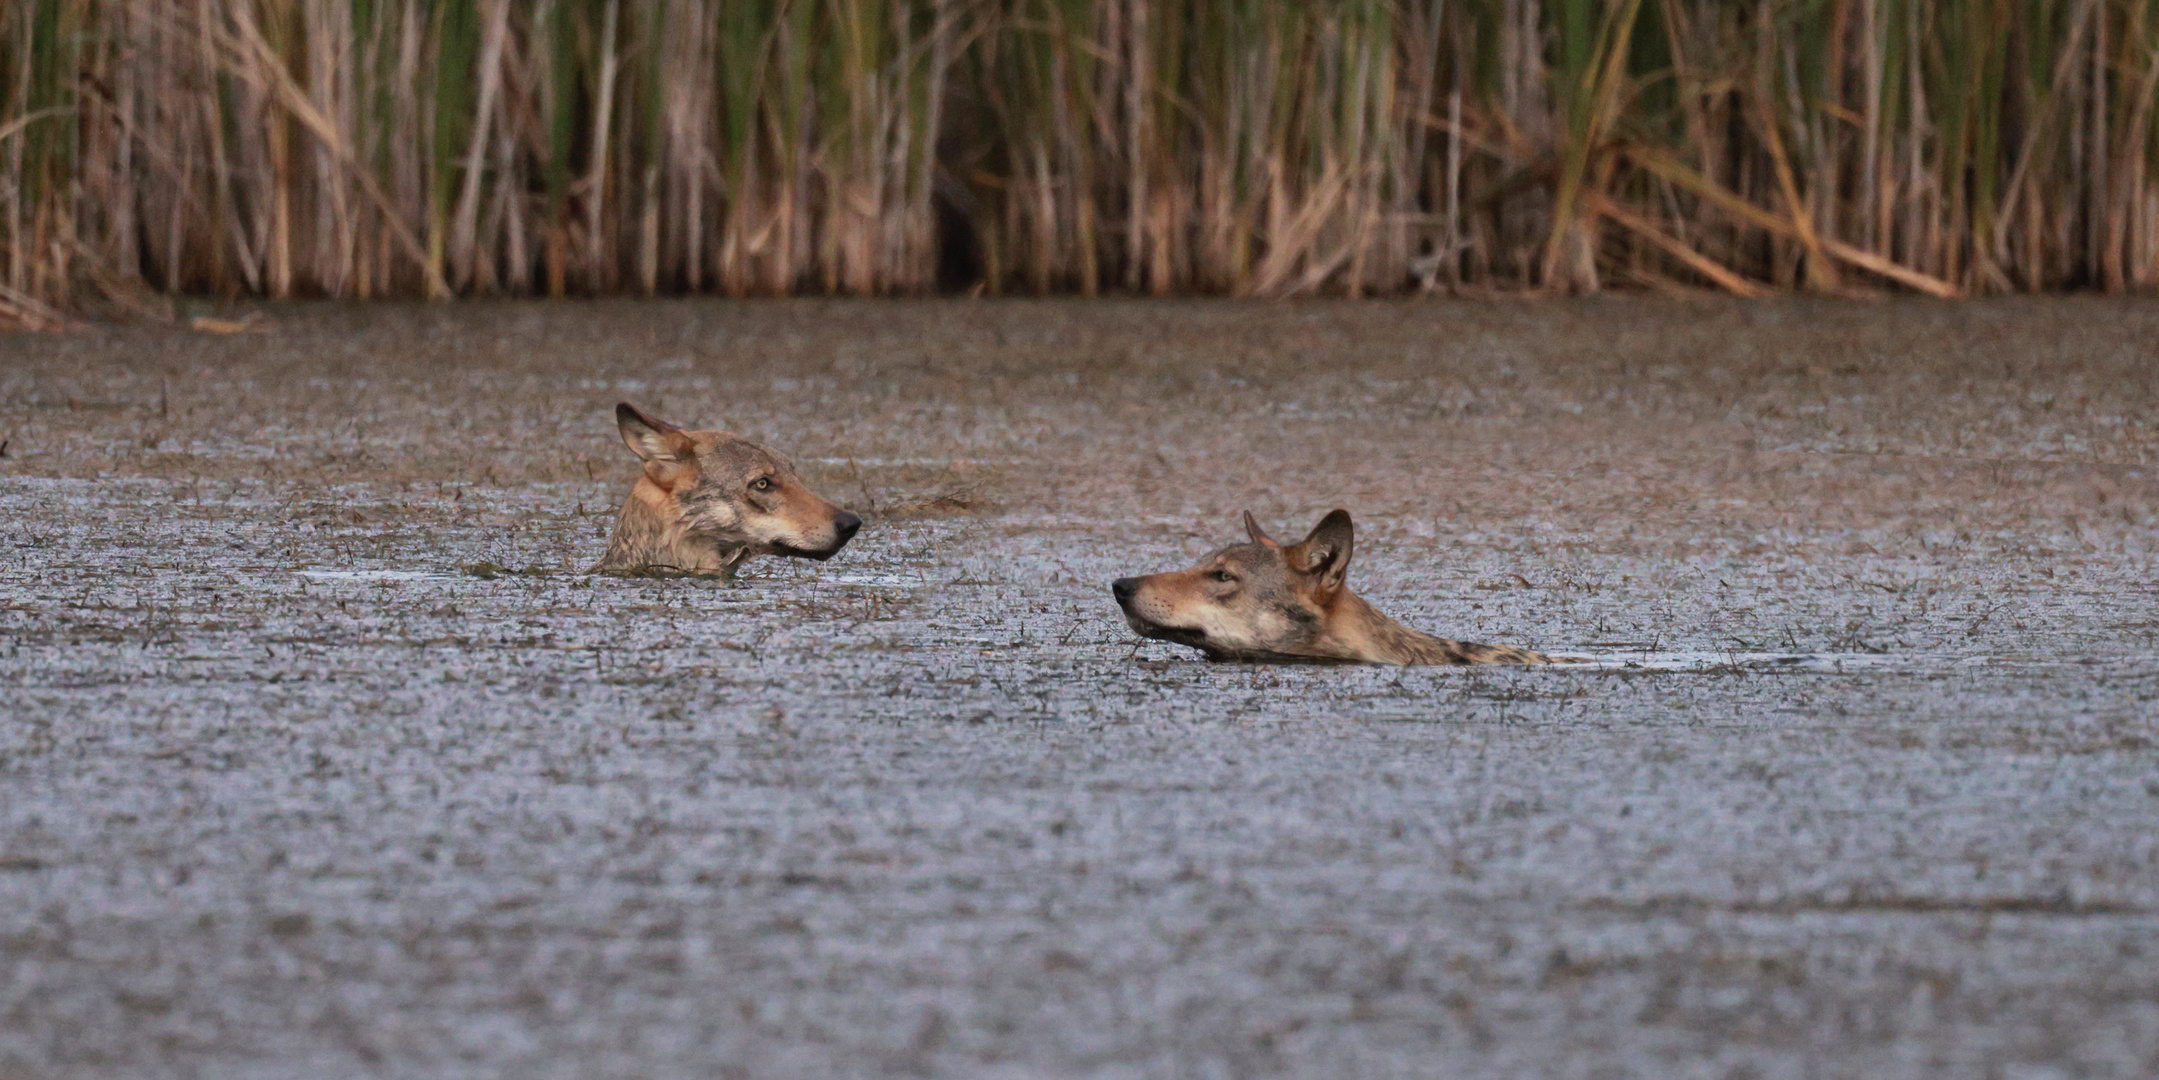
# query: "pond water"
320,754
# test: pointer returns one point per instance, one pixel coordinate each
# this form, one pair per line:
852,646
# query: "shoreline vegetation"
152,149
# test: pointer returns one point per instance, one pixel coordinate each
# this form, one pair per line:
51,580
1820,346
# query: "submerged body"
706,500
1264,602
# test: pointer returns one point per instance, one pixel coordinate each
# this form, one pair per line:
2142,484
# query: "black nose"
845,525
1123,588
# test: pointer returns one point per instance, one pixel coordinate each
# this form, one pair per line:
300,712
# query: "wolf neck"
1358,631
649,536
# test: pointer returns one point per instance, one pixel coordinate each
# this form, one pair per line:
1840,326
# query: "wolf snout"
1122,589
844,527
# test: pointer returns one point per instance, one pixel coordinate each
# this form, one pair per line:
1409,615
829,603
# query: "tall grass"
365,148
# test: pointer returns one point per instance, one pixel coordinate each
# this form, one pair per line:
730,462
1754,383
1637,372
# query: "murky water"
319,755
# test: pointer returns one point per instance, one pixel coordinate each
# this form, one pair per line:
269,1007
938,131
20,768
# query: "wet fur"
708,500
1261,601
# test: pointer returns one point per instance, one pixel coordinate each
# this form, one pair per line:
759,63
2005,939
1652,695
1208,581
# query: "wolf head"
729,493
1257,600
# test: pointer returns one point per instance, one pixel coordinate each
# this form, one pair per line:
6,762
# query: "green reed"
1255,147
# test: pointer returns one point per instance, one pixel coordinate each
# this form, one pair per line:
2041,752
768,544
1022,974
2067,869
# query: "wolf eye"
762,483
1223,575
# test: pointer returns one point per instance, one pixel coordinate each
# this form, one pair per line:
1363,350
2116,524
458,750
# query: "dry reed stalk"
1268,147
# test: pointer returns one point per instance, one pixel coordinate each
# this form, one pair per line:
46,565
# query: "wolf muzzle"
1122,589
844,526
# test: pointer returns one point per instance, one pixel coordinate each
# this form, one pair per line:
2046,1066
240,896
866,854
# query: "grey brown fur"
706,500
1261,601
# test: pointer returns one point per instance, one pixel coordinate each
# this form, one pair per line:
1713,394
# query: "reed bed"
407,148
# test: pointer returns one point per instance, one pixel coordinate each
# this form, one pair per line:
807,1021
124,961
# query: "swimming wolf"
1262,602
708,499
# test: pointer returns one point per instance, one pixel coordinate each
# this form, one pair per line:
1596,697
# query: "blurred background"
408,148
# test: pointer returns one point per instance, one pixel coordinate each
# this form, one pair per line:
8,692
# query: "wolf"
1263,602
708,500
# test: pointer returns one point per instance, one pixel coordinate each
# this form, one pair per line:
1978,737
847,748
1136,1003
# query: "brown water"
320,756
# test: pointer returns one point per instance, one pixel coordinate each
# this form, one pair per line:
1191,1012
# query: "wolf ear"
1325,553
1258,535
652,440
